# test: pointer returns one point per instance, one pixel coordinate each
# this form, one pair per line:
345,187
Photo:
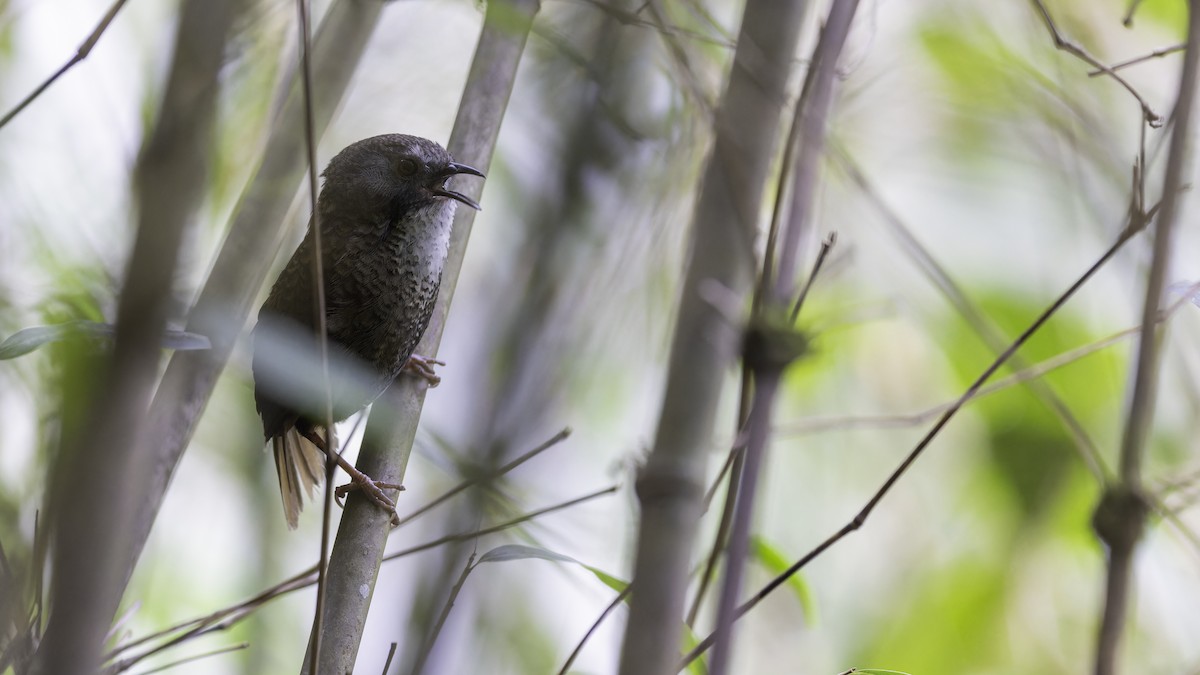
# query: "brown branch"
1062,43
1156,54
80,54
995,340
225,618
476,480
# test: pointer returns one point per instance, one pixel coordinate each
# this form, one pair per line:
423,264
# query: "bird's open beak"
453,169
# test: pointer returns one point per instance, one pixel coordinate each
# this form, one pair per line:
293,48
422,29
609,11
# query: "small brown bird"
385,213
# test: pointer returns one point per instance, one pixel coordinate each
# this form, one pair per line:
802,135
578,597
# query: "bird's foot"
422,367
371,488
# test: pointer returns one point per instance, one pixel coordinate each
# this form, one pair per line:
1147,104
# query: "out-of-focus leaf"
1166,13
28,339
521,552
1186,288
690,642
776,563
608,579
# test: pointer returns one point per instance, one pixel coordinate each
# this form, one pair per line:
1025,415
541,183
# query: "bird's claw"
373,490
422,367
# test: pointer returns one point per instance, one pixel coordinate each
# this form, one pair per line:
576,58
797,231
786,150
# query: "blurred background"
965,154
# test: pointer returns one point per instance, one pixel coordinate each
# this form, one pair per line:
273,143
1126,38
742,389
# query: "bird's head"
394,171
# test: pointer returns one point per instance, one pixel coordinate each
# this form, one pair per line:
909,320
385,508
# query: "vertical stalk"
362,534
99,461
1121,515
671,485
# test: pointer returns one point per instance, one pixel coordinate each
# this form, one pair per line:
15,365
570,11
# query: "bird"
384,212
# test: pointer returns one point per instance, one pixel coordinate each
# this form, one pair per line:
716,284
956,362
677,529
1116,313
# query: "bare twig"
1136,225
197,657
388,663
427,649
1062,43
633,19
80,54
467,536
940,277
826,246
1127,20
1156,54
475,480
318,272
821,424
595,625
225,618
1120,516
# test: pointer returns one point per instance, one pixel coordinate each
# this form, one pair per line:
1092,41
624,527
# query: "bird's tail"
300,465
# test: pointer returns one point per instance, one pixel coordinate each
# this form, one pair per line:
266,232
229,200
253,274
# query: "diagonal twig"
80,54
1156,54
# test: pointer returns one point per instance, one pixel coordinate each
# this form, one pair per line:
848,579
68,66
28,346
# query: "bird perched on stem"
385,213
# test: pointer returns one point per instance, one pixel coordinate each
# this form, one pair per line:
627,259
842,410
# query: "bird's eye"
406,166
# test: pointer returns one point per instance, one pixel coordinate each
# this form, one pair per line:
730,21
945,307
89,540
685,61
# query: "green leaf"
776,563
608,579
28,339
876,671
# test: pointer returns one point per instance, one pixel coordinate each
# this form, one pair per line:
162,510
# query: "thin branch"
928,265
466,536
821,424
490,475
80,54
225,618
1127,20
826,246
1121,514
1136,225
388,663
197,657
427,649
1152,118
595,625
1156,54
632,19
318,272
